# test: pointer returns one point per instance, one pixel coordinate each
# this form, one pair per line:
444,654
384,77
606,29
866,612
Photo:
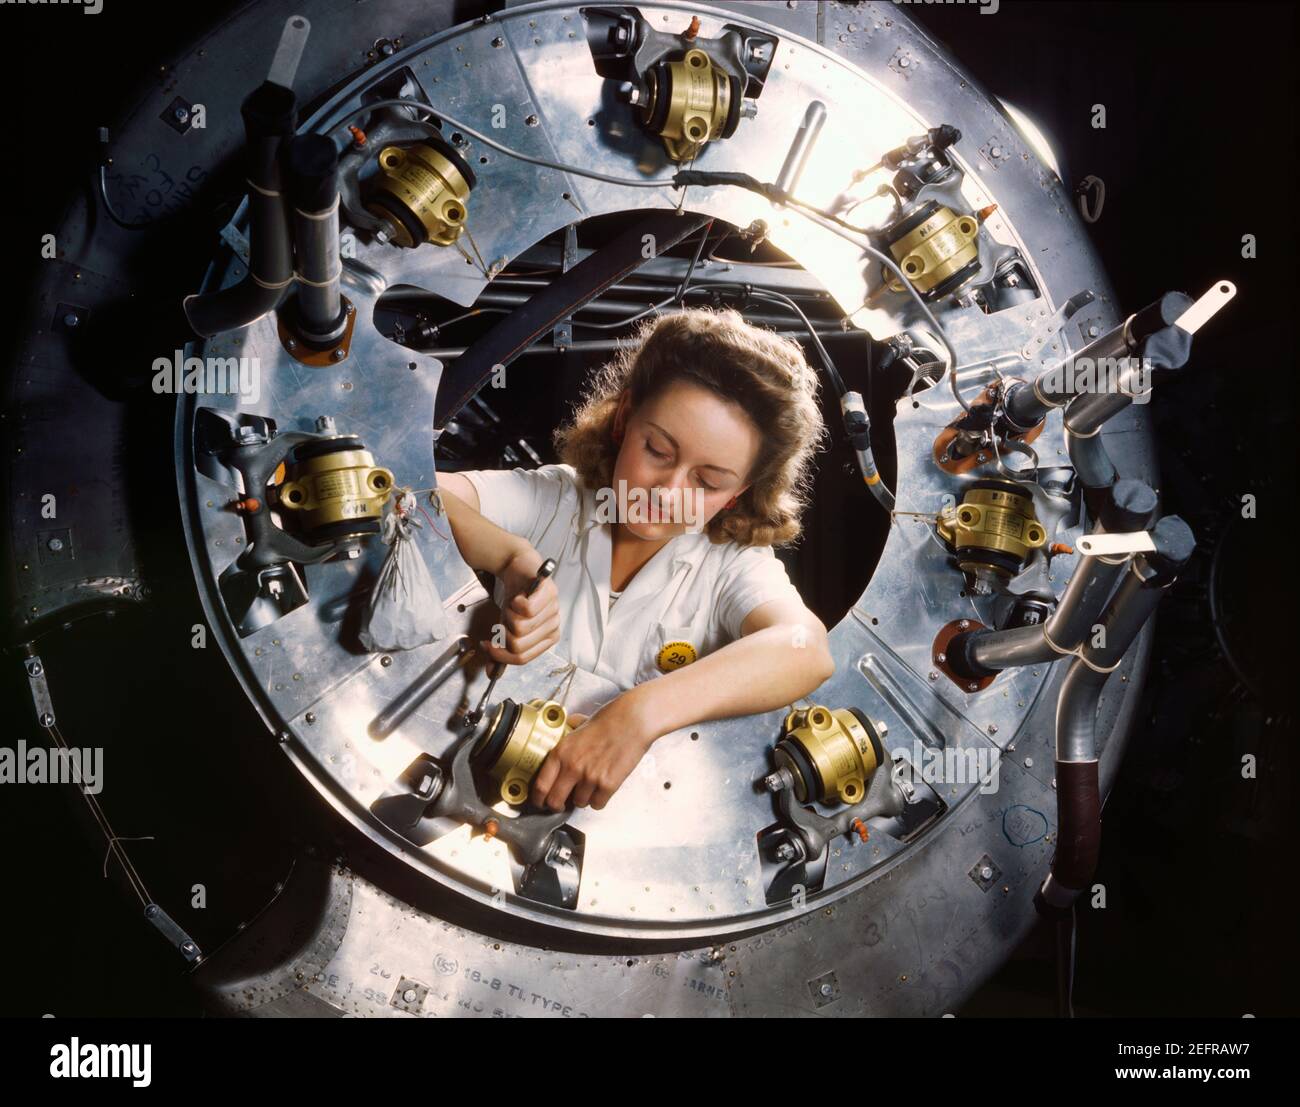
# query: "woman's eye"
655,453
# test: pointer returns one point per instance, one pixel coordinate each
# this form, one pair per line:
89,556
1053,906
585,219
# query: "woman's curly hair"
765,374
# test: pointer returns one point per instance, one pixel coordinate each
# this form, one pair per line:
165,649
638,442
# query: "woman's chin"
654,532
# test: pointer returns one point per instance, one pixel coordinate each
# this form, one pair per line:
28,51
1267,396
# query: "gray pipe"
1028,404
312,165
1091,461
1078,790
269,115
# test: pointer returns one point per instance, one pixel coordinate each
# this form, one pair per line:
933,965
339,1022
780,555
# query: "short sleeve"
754,577
522,501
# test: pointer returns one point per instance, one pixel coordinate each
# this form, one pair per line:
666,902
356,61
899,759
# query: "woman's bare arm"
783,656
482,543
531,624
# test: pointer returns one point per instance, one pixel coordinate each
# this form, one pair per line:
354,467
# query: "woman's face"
691,443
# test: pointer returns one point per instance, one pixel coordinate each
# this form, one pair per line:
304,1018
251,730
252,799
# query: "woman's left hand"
589,764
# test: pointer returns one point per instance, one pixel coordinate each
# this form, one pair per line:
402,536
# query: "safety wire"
114,841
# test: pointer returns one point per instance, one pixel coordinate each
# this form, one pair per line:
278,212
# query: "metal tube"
269,114
1076,713
1028,404
1085,597
1006,649
419,690
1078,794
1091,461
813,120
631,307
313,182
1087,413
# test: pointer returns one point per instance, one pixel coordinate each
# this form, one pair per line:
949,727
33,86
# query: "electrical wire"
126,224
654,182
831,222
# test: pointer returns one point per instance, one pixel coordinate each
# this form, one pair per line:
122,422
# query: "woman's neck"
628,554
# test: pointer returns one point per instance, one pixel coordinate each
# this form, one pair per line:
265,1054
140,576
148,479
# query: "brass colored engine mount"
333,489
830,754
421,193
517,742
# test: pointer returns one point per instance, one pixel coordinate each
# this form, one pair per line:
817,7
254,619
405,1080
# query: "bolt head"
339,353
55,544
941,658
964,624
385,661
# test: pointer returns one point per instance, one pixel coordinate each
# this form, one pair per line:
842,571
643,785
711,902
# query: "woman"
692,616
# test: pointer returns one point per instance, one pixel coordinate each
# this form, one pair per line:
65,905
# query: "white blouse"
688,600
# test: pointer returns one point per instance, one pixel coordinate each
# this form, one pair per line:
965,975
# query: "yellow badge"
674,655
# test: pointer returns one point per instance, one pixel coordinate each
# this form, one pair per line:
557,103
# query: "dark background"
1199,149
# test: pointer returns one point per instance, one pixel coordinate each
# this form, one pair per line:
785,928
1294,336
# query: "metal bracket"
562,332
1110,545
40,690
1049,327
1206,307
175,935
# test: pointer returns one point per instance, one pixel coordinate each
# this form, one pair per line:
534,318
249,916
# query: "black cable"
110,211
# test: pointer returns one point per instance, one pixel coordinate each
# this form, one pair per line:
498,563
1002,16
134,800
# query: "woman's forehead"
698,419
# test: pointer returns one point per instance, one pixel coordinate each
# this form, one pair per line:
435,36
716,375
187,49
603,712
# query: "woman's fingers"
534,606
525,648
552,789
520,629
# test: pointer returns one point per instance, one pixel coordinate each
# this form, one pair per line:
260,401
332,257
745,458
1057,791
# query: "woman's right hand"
531,623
